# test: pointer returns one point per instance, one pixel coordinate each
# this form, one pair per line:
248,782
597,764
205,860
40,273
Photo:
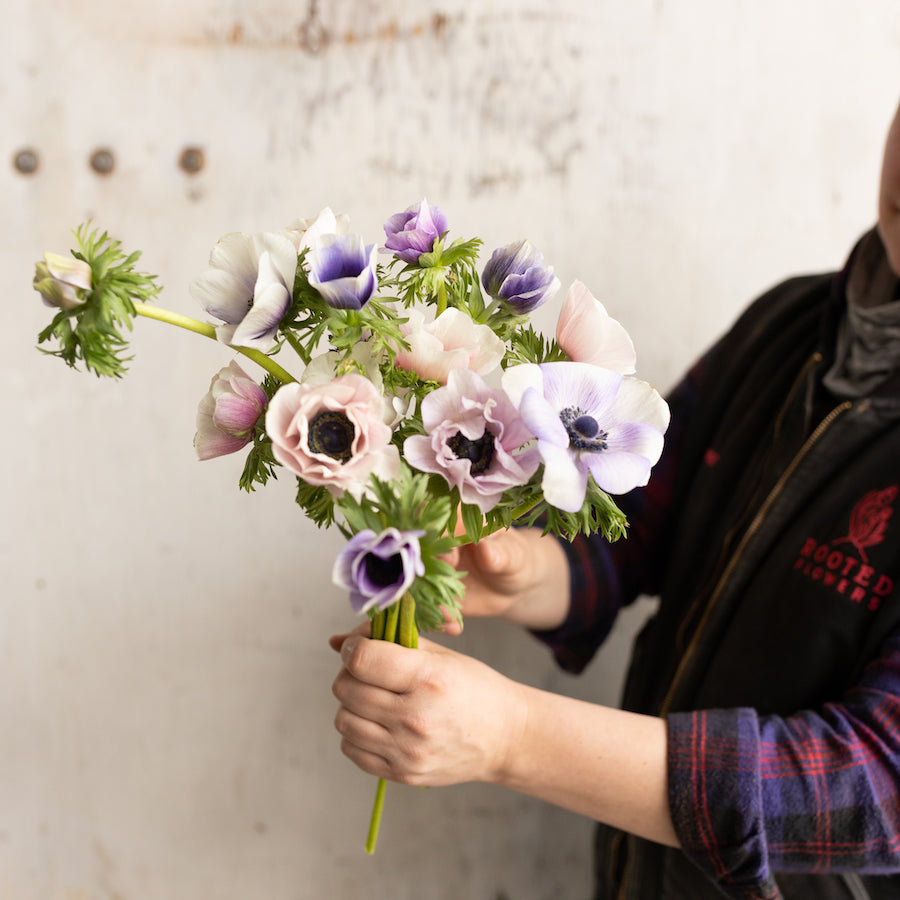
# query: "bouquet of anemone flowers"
409,396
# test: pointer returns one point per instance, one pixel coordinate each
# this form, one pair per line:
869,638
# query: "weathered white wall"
165,706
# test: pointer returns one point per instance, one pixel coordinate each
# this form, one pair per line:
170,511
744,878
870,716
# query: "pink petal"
588,334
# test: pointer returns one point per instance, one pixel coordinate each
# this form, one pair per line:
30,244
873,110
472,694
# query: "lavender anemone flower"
414,231
588,419
517,277
342,270
378,569
248,286
227,415
474,440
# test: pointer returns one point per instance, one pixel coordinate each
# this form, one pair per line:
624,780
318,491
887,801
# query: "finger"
336,640
369,762
362,699
382,663
361,732
495,553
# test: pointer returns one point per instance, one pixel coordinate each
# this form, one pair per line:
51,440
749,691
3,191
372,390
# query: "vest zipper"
749,534
687,623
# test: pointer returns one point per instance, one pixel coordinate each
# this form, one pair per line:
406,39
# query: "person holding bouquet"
757,751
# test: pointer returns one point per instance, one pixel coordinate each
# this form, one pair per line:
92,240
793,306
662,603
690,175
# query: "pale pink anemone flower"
451,341
588,334
332,434
227,415
475,440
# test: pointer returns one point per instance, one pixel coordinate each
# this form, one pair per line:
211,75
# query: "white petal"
618,473
564,482
637,401
223,294
517,379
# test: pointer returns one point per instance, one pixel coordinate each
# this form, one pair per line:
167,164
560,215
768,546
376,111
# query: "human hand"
428,716
519,575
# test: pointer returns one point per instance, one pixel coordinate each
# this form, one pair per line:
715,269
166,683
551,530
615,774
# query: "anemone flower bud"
227,415
62,281
342,270
377,569
516,275
587,333
414,231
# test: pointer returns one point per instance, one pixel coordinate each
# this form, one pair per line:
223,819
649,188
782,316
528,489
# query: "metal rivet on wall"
26,161
103,161
192,160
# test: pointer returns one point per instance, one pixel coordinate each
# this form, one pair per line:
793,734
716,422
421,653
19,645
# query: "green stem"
375,821
398,625
441,299
297,345
202,328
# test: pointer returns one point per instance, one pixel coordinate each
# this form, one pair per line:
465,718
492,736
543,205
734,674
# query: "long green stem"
206,330
396,624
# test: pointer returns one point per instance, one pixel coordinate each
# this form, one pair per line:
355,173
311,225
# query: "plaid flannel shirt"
751,795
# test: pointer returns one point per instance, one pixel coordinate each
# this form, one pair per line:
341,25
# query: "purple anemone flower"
414,231
588,420
377,569
342,270
474,441
516,275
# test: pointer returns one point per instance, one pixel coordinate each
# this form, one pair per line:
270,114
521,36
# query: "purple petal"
543,419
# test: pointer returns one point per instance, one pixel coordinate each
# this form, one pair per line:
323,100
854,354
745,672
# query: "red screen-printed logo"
847,574
869,520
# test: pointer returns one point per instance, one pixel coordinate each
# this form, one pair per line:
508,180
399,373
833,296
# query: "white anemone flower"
248,287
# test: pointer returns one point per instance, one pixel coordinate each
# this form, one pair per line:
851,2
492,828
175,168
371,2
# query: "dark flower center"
584,430
332,434
479,452
384,572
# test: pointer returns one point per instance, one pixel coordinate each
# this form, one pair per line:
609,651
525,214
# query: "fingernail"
348,647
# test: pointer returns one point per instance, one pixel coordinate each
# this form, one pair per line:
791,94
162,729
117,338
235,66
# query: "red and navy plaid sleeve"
605,577
818,791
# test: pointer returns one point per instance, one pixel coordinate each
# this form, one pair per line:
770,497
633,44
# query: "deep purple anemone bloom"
377,569
516,275
414,231
342,270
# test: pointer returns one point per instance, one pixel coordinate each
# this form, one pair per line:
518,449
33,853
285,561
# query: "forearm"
600,762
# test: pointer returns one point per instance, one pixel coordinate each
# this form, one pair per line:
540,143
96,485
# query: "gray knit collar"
868,340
